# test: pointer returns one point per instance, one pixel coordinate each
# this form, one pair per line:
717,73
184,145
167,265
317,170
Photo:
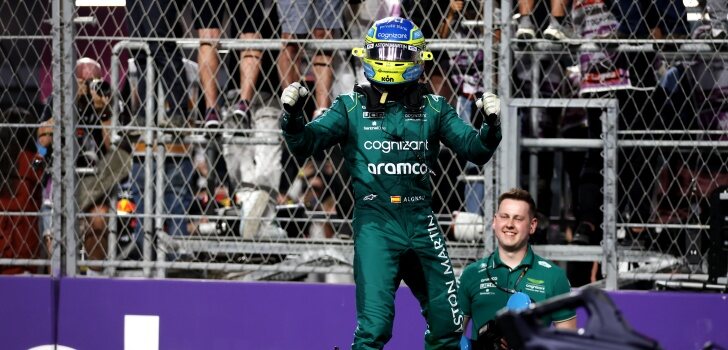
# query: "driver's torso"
390,153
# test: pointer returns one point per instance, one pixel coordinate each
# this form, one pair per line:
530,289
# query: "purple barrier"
676,320
233,315
223,315
26,312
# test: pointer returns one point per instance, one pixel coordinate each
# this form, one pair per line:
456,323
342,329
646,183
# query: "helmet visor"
392,52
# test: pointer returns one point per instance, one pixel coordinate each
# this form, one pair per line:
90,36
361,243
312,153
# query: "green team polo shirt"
480,299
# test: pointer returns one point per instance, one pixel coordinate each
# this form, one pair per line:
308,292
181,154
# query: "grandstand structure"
660,160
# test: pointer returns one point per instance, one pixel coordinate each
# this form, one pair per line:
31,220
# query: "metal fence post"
534,116
64,176
159,208
56,169
508,149
489,175
610,259
148,225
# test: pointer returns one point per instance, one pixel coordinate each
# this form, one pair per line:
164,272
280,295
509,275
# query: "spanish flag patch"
395,199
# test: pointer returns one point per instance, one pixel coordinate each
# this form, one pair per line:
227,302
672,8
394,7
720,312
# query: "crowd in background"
212,91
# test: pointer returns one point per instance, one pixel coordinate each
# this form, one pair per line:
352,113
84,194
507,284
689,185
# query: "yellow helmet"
394,52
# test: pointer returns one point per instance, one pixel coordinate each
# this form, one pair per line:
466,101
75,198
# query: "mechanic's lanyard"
507,291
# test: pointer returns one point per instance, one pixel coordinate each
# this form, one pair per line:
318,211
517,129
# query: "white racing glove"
293,98
490,103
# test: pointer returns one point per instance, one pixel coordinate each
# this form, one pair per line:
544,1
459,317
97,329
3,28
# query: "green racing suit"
396,235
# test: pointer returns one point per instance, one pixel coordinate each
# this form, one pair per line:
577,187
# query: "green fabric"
396,236
394,242
480,299
387,152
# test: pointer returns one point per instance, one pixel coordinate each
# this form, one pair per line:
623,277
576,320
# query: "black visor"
393,52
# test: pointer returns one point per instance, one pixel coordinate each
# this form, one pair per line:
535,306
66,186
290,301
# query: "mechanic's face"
513,225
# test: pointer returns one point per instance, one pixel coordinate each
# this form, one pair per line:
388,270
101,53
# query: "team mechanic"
486,284
390,132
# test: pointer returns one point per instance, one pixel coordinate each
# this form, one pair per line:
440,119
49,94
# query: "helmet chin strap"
384,93
409,94
400,90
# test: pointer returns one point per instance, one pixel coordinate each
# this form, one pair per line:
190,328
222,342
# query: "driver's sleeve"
477,146
323,132
562,286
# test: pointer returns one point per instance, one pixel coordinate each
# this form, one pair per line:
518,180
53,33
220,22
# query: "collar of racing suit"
411,96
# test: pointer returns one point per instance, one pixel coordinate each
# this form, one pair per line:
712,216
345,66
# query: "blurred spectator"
177,189
156,22
466,77
556,169
545,76
312,188
247,167
629,77
20,54
430,16
258,165
249,20
716,27
100,166
659,19
718,10
256,107
557,28
298,20
696,88
19,190
317,19
598,76
316,187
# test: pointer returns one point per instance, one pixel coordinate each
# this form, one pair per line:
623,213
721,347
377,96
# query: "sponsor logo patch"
373,115
397,168
438,244
487,291
413,198
388,146
392,36
487,285
536,288
414,116
373,127
544,264
370,197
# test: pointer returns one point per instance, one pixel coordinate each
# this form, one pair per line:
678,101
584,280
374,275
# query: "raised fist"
490,103
293,98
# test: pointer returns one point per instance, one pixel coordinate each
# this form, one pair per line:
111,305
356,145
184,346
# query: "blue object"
518,301
465,343
41,150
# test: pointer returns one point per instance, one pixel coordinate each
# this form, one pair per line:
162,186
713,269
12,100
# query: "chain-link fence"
660,157
164,156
